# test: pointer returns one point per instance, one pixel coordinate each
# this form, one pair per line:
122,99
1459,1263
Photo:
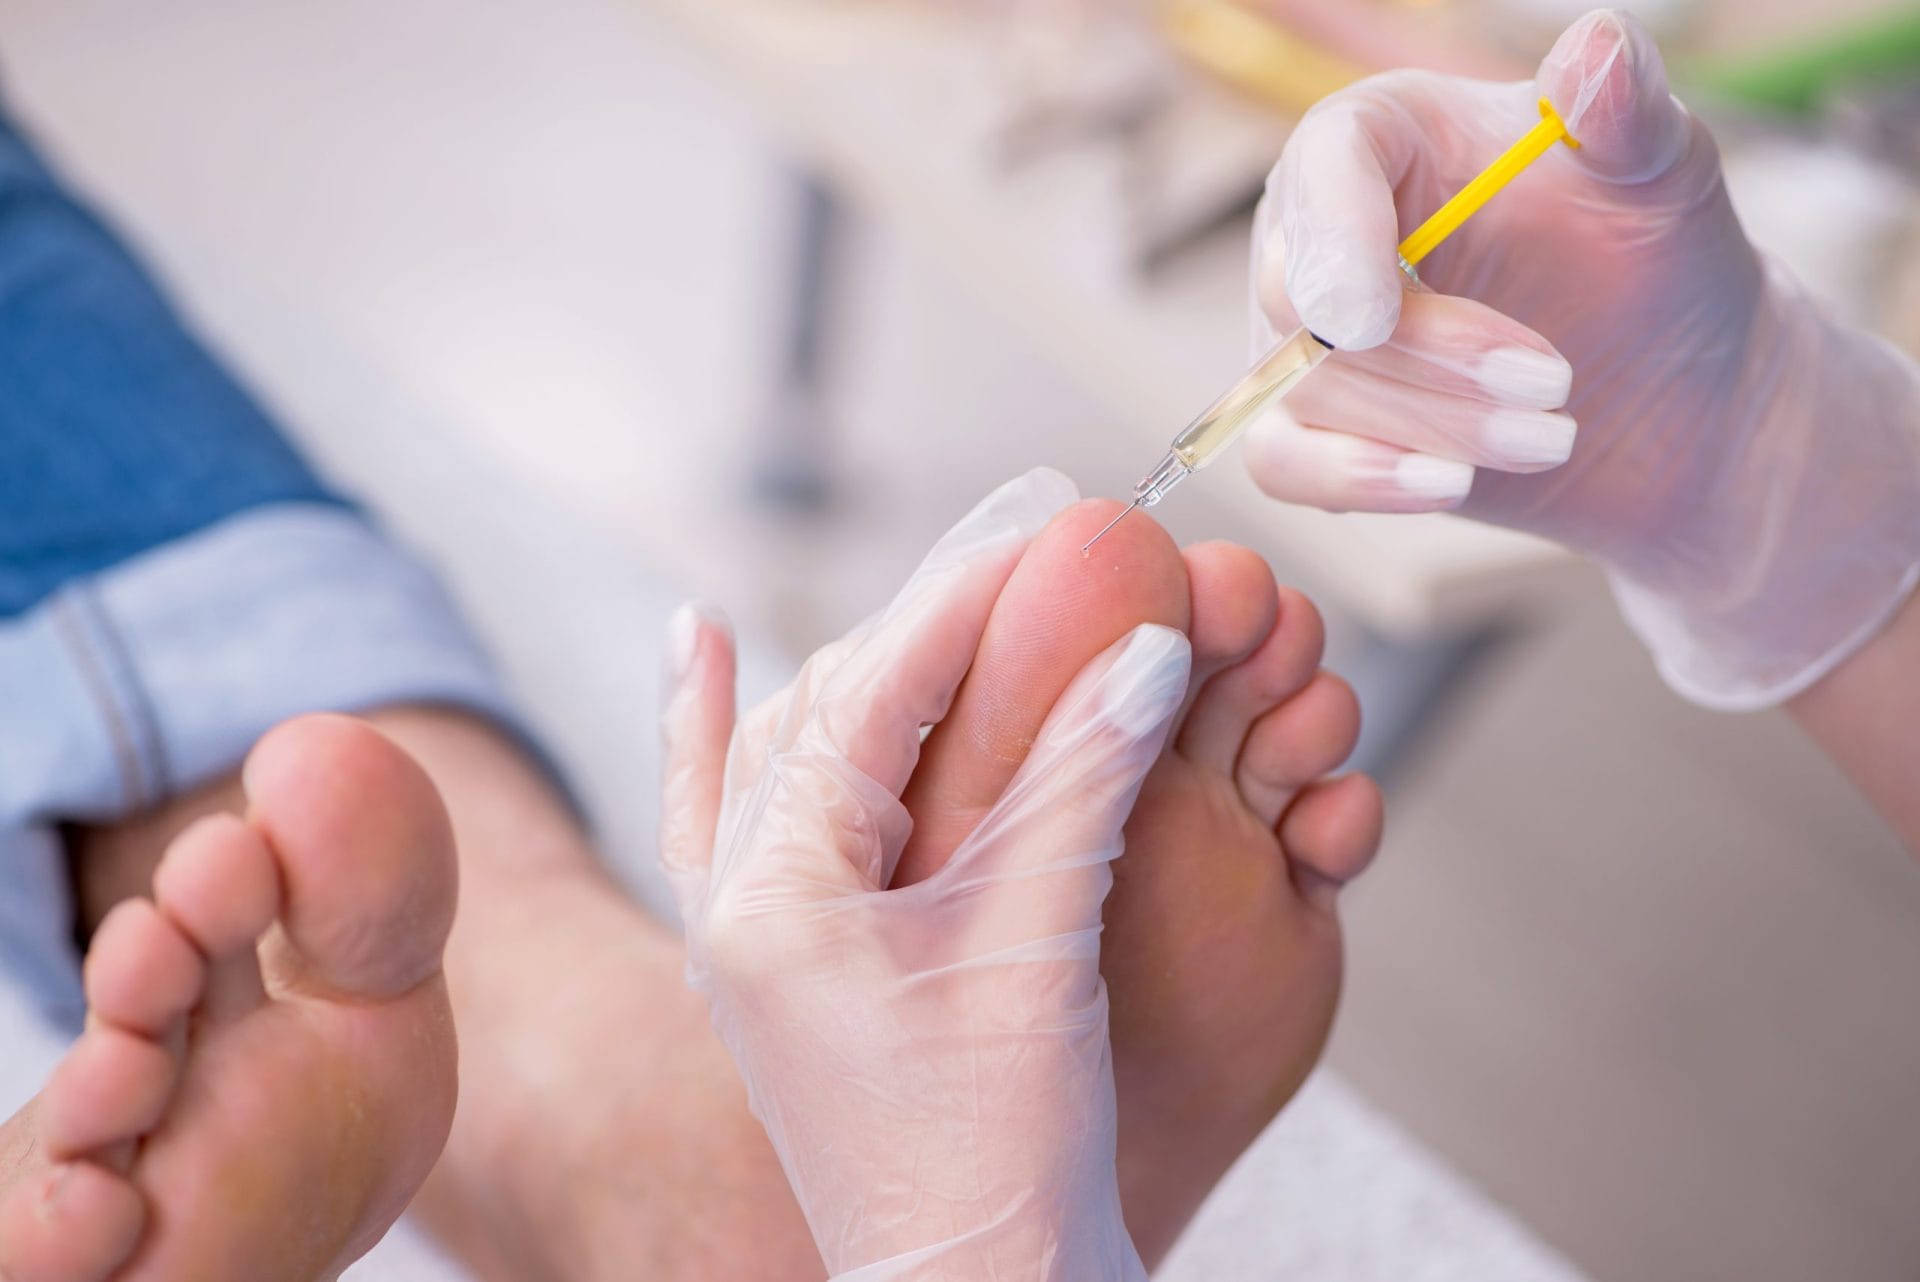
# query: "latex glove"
1747,470
931,1062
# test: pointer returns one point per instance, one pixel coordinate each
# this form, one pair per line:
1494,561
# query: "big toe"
365,852
1059,610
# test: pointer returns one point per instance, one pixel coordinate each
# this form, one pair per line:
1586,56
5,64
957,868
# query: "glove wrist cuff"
1815,524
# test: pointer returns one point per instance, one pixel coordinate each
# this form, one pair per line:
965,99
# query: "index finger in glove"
1035,868
868,701
695,723
847,733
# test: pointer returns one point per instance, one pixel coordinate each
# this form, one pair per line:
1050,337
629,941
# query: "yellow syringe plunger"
1296,354
1466,202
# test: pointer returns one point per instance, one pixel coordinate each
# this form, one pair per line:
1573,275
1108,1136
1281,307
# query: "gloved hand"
931,1062
1747,469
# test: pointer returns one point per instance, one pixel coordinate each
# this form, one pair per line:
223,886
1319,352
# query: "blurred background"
606,301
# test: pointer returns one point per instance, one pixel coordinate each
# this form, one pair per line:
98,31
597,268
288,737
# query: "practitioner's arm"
1866,714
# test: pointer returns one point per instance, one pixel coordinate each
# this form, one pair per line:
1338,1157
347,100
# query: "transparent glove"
1747,470
931,1062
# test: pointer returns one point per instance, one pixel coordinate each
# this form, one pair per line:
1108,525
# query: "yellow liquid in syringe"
1286,363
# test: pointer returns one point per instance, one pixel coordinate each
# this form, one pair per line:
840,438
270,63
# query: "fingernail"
1334,301
683,636
1524,376
1148,679
1347,313
1579,65
1012,514
1529,437
1606,77
1427,477
1028,501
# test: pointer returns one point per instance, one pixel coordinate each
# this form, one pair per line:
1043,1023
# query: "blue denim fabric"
156,675
118,432
173,579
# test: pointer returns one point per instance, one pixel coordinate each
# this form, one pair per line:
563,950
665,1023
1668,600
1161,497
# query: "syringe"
1295,356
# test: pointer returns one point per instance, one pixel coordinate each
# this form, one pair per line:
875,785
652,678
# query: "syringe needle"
1088,545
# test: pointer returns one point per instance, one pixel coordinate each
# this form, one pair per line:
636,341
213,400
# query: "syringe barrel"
1272,376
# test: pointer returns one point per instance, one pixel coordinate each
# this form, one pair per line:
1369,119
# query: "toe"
142,972
1228,705
1234,604
111,1087
72,1223
1289,747
1331,833
218,884
1058,611
365,853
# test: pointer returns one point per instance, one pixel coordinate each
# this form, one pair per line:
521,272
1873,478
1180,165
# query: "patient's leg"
1222,952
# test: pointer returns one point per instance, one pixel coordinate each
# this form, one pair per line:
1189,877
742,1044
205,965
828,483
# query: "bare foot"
268,1070
1222,953
602,1131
